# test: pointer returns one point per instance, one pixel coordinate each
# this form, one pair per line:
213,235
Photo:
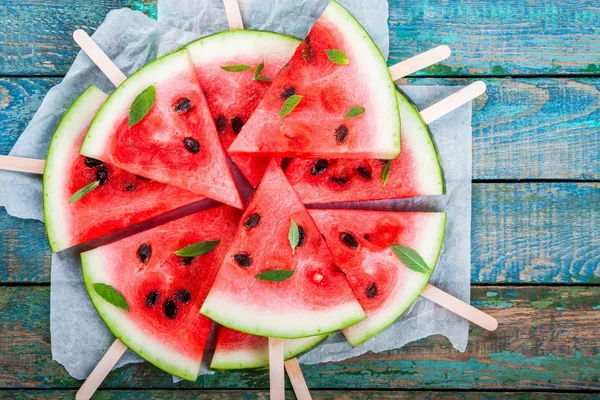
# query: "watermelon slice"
97,213
337,70
315,300
162,291
232,96
238,350
415,172
384,286
175,142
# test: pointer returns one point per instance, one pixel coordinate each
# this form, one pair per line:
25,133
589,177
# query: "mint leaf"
294,235
198,249
78,195
141,105
275,275
410,258
111,295
355,111
236,67
258,76
385,172
289,105
337,56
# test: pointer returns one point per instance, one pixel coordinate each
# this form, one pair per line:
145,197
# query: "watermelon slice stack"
161,141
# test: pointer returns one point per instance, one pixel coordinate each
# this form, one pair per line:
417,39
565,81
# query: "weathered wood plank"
521,233
491,38
546,340
522,129
316,394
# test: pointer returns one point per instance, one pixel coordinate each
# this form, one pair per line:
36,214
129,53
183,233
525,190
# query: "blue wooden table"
536,209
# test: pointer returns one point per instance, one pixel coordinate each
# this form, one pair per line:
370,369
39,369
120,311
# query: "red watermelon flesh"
316,127
175,142
123,200
415,172
164,292
232,96
384,286
315,300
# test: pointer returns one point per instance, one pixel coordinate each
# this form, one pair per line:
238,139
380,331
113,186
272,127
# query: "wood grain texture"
521,233
491,38
547,340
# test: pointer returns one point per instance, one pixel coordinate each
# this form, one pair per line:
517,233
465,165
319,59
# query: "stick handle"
419,62
459,307
108,361
276,369
453,101
298,383
234,16
21,164
99,57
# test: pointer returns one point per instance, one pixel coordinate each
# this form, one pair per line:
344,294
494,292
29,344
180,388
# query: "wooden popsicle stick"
459,307
108,361
234,16
298,383
276,369
20,164
419,62
99,57
453,101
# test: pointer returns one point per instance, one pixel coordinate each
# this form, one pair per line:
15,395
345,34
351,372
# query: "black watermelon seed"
307,51
187,260
287,92
92,162
191,145
243,260
301,236
349,240
340,180
221,123
237,124
152,298
319,167
144,252
184,105
364,171
130,187
366,236
341,132
143,178
372,290
252,221
183,296
170,309
102,175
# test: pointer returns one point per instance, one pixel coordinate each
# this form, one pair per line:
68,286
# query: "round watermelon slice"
238,350
415,172
232,96
157,124
384,285
322,104
150,298
96,214
311,296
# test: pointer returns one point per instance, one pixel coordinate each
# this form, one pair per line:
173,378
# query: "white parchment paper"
78,335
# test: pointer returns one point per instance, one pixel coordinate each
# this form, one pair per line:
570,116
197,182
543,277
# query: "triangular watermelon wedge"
336,72
384,285
415,172
175,142
123,199
315,300
228,65
150,298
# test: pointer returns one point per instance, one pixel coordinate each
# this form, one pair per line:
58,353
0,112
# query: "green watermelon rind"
243,359
73,123
93,266
368,329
